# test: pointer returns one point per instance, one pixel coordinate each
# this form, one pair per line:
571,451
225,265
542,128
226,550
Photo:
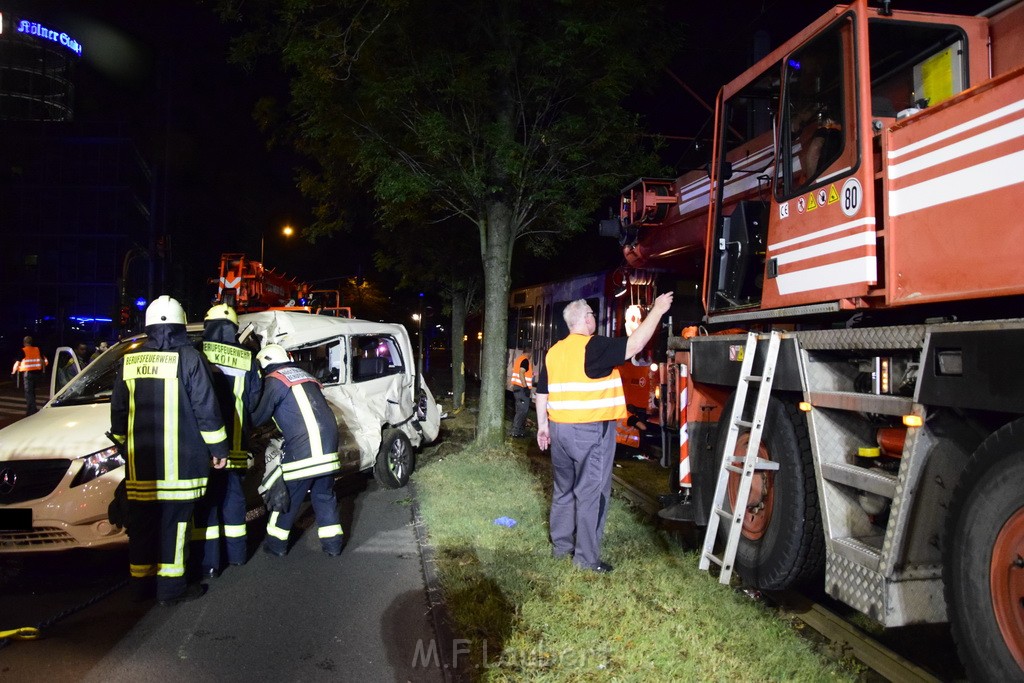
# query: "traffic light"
126,315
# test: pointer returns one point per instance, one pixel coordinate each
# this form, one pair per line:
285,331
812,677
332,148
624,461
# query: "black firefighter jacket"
237,383
163,409
294,399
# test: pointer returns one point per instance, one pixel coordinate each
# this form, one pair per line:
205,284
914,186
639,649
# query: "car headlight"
98,464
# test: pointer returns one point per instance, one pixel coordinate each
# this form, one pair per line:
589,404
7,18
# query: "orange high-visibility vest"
572,396
33,360
516,365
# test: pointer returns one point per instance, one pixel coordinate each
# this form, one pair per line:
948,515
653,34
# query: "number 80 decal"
851,197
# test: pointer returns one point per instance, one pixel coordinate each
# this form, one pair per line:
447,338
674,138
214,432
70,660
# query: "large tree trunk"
496,252
459,307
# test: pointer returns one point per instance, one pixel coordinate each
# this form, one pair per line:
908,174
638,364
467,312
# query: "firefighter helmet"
222,312
165,311
271,354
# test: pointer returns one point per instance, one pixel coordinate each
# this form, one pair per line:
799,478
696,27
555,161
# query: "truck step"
872,480
861,551
863,403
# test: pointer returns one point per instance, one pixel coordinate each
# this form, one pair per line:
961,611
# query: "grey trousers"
522,397
582,457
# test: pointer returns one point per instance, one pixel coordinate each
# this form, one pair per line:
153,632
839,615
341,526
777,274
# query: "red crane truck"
864,201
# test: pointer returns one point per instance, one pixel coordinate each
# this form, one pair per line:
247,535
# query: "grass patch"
529,616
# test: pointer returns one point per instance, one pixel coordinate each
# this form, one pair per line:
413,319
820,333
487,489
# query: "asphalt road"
363,616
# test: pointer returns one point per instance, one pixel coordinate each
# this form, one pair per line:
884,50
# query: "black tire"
790,549
985,520
395,460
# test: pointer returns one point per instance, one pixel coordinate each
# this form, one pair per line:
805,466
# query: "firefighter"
31,367
295,401
164,412
522,382
220,514
586,399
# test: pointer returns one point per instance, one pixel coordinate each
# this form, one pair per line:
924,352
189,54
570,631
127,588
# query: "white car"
58,469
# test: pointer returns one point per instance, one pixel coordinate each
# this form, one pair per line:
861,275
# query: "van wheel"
983,563
782,544
395,460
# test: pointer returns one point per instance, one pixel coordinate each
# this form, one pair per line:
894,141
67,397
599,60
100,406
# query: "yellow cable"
23,633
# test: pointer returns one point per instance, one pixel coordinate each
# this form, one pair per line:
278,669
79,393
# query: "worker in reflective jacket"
522,382
579,400
31,367
220,514
295,401
164,411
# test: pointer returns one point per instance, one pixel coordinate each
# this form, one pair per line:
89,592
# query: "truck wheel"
983,563
782,543
395,460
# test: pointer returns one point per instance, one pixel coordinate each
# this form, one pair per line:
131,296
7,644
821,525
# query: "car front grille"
22,480
40,538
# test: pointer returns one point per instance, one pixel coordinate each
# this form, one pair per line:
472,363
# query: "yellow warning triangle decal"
833,196
812,202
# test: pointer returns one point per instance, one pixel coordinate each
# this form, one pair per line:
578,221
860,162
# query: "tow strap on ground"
23,633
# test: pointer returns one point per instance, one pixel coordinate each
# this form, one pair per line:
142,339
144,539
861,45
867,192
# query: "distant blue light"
793,64
83,319
140,303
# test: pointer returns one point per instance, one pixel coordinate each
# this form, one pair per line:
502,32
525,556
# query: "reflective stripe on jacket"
517,365
572,396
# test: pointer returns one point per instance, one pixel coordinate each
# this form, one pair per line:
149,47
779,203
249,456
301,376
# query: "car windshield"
96,382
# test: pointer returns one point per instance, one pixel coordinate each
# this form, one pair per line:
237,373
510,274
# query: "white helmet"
165,311
222,312
272,353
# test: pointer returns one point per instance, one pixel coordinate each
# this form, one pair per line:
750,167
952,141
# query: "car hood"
57,432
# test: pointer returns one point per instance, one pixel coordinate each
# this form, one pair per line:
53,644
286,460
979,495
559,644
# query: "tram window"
520,328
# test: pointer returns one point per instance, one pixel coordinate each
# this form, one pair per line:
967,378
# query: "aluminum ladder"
750,462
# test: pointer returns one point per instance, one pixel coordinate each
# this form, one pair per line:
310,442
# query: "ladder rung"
754,378
759,464
724,514
744,423
734,469
714,558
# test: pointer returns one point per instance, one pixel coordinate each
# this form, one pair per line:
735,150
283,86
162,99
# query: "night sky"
157,70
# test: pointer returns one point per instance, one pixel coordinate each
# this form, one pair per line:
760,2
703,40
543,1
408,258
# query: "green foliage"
505,115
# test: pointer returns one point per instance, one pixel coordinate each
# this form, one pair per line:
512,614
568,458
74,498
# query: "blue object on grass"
505,521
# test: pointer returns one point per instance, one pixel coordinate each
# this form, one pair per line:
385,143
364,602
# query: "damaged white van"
58,469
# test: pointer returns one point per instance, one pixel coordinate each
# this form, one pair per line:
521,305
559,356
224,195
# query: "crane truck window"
815,113
914,65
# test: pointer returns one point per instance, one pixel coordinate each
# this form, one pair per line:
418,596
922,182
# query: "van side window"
375,356
323,362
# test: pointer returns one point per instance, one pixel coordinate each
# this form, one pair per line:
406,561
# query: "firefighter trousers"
158,534
220,521
325,508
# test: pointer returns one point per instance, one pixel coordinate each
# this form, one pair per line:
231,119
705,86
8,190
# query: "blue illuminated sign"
140,303
34,28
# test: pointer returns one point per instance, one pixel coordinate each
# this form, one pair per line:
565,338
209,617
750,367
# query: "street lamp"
287,231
